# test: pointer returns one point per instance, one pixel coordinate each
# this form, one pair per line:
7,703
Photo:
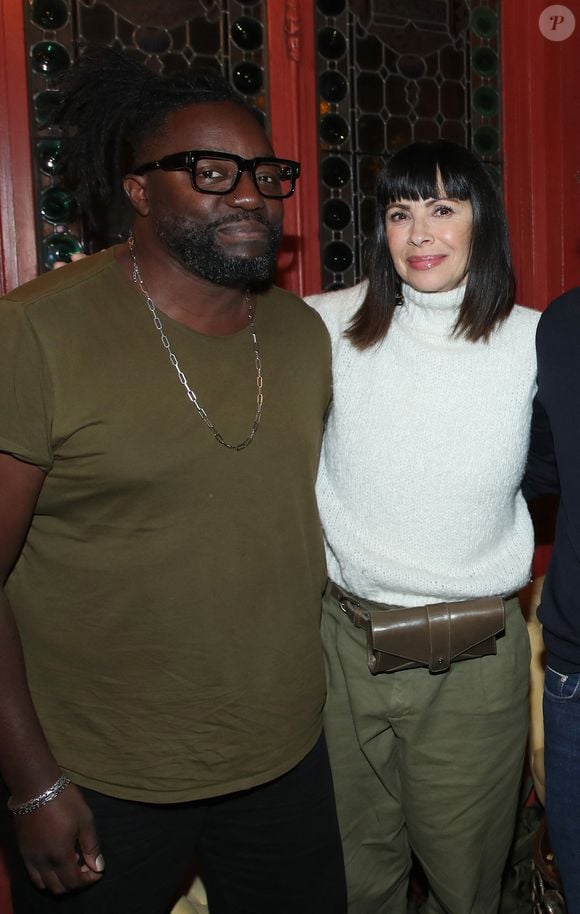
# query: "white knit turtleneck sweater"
424,452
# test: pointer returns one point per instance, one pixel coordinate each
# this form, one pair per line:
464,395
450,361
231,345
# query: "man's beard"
197,248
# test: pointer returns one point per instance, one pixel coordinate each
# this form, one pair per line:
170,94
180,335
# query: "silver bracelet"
41,800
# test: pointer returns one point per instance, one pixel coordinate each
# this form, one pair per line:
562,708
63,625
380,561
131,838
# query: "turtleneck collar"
430,312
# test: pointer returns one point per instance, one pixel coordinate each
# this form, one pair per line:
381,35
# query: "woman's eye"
397,216
443,210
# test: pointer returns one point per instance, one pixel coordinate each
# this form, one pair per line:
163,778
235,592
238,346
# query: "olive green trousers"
426,762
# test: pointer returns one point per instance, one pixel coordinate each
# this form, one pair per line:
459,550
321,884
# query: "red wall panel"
293,116
17,233
541,113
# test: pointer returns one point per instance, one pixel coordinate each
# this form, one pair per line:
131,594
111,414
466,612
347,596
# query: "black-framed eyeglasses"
220,172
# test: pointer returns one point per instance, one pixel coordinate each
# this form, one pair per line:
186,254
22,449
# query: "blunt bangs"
421,171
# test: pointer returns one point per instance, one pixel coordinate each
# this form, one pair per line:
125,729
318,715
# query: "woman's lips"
426,262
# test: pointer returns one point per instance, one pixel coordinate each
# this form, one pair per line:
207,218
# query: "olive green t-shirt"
168,592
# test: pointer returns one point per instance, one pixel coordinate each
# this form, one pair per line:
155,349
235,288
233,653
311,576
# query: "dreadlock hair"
111,103
423,171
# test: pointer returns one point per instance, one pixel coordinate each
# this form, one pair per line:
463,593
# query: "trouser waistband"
359,614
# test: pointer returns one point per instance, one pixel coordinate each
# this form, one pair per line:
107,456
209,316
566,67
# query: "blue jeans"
562,760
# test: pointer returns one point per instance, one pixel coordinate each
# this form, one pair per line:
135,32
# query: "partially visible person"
161,413
428,540
554,467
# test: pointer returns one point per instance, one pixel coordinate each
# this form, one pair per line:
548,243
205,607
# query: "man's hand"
57,264
59,844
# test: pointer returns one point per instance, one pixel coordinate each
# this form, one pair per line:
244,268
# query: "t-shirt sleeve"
25,391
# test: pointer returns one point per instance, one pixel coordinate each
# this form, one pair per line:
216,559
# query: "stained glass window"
387,74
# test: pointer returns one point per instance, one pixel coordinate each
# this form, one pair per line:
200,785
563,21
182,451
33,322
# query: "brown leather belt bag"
433,636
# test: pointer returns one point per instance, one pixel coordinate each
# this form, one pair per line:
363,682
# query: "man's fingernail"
100,863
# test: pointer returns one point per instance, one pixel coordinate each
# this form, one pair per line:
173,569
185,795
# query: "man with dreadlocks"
161,679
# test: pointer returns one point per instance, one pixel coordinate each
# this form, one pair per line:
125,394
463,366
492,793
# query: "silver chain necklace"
183,380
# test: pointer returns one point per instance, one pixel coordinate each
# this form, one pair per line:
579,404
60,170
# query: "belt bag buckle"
433,636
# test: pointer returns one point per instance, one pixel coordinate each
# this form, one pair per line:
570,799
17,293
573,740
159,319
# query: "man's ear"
135,186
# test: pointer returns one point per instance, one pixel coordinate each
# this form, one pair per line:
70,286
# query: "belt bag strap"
432,636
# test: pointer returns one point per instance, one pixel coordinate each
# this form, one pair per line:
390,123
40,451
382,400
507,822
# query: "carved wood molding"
293,30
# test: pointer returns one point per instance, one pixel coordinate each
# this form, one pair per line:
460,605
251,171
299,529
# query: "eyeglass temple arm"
167,163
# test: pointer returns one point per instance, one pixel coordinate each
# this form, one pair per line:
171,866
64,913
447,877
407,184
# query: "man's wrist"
51,793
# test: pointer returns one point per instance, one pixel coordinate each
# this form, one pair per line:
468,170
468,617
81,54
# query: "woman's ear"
135,186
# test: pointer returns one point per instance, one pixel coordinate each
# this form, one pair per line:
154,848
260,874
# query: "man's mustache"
244,217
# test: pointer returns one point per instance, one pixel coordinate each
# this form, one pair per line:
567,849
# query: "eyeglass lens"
219,175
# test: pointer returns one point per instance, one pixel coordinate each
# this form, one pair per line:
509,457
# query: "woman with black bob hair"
430,170
428,540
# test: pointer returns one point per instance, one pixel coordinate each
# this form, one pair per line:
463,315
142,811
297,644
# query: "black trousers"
274,849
